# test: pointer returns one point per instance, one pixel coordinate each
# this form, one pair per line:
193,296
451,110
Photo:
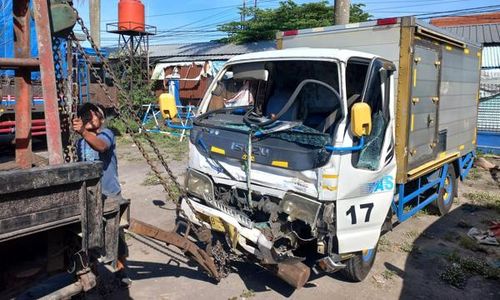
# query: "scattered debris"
483,237
494,229
483,163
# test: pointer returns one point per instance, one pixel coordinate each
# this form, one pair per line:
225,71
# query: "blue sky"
196,20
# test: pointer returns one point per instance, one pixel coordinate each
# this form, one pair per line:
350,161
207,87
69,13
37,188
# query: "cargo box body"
436,85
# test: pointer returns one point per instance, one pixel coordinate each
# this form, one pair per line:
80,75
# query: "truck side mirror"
361,119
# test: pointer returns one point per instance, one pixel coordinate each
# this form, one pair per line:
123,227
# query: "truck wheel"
445,199
357,267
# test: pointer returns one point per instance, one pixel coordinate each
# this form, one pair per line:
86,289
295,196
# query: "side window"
375,94
356,71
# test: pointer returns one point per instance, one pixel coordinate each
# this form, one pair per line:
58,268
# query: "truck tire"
357,267
445,199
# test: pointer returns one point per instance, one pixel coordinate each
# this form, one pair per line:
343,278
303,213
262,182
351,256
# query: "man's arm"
97,143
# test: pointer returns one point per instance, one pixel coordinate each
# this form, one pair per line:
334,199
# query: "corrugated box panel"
489,115
491,57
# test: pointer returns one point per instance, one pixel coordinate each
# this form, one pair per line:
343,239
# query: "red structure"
131,15
23,64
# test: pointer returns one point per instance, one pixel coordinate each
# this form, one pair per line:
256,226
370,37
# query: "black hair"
85,112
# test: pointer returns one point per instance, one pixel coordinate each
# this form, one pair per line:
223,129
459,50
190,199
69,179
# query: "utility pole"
95,21
342,11
243,11
255,3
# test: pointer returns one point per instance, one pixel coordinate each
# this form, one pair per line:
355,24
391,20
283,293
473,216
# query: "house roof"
489,18
479,33
479,28
205,51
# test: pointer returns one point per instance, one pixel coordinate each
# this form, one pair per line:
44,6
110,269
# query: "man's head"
92,116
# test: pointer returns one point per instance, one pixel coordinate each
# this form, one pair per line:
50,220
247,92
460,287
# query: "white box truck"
318,145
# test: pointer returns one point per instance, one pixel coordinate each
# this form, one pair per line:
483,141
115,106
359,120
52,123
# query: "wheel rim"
448,190
367,255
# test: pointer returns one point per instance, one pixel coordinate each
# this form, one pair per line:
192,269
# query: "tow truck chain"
125,113
67,109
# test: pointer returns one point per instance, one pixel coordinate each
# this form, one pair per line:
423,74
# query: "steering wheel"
253,119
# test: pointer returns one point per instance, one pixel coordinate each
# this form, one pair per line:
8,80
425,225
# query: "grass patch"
388,274
474,174
409,247
461,269
450,236
469,244
411,234
247,294
384,244
486,199
150,180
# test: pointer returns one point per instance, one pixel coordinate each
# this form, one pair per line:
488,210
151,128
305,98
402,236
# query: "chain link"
67,109
125,113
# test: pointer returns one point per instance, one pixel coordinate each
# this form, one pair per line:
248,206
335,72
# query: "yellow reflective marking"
466,51
412,122
330,176
478,54
432,165
279,163
461,147
415,77
245,157
449,48
330,188
218,150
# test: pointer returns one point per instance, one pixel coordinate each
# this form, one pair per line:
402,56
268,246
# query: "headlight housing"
199,185
300,208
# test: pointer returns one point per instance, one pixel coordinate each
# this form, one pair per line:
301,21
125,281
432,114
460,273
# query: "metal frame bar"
465,164
22,48
47,71
398,207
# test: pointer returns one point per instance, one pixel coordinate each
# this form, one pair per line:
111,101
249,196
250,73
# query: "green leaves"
262,24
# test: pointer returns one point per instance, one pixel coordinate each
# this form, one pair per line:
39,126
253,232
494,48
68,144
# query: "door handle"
430,121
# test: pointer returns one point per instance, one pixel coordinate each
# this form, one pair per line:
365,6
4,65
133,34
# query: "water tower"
133,42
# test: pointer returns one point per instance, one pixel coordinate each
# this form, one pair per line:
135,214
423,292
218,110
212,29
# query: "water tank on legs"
131,15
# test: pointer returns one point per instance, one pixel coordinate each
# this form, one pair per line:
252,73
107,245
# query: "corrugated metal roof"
491,57
203,51
481,33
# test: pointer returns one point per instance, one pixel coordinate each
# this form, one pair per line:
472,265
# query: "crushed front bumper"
239,234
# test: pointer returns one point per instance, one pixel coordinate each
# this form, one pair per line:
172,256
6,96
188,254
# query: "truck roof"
302,53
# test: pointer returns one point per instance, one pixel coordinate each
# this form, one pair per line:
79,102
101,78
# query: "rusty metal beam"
53,123
23,83
15,63
181,242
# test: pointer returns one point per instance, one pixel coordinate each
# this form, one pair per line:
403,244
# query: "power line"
184,12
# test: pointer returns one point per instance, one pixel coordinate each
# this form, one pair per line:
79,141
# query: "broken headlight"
300,208
199,185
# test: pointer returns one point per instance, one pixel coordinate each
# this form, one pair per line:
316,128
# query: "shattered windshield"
300,97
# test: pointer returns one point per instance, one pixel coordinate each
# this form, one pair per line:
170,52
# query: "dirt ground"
413,260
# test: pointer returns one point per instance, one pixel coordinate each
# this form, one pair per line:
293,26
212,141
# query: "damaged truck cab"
294,156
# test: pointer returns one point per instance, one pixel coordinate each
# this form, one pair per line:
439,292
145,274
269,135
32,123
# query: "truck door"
423,141
366,179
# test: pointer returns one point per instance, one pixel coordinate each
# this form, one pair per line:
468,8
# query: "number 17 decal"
352,211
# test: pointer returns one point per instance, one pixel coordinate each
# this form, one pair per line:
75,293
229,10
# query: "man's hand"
78,125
